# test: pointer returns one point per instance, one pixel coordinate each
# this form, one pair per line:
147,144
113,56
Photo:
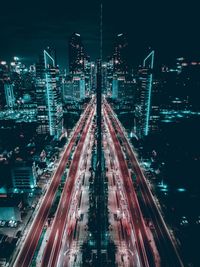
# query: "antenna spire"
101,31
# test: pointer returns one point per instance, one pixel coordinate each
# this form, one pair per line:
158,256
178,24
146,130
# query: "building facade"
23,176
143,103
48,96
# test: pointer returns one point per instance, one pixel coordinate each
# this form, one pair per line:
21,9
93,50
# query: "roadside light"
16,58
181,189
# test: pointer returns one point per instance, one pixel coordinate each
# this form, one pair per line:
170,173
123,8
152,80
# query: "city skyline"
99,149
170,31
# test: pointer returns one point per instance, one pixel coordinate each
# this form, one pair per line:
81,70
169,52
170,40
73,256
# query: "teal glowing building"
145,92
23,176
48,96
9,94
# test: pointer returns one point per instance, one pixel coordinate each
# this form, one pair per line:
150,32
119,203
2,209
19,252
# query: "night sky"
171,29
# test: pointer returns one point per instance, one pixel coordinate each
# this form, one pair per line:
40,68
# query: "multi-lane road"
71,253
126,252
29,246
165,245
136,218
140,208
52,249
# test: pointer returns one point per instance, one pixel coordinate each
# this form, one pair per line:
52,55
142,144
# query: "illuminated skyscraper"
9,94
104,78
74,88
79,67
82,88
48,95
115,87
77,54
144,97
93,77
119,65
156,103
90,77
107,77
119,54
4,78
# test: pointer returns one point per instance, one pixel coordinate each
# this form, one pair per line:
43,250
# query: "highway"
136,247
167,250
71,253
52,249
126,252
29,246
136,219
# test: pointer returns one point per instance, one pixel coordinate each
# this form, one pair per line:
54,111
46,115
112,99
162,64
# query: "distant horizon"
169,28
62,59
